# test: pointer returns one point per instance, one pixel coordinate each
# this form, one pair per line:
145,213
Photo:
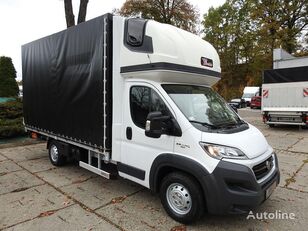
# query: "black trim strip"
170,67
132,171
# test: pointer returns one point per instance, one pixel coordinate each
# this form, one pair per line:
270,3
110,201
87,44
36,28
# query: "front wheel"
182,197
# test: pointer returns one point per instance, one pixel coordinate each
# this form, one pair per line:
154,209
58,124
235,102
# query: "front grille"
262,169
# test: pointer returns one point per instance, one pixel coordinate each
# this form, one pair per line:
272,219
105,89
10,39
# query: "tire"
56,156
189,204
271,125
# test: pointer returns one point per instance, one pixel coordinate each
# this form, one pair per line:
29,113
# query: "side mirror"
153,125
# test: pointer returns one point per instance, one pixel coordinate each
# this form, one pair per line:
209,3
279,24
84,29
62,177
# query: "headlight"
219,151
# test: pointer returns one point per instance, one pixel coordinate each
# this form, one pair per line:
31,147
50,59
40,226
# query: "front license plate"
270,190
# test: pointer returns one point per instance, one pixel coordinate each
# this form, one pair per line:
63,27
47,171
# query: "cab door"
138,151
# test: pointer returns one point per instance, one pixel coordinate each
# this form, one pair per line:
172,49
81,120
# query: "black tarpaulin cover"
295,74
63,83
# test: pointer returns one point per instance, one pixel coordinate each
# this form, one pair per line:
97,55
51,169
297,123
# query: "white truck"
285,91
133,98
250,92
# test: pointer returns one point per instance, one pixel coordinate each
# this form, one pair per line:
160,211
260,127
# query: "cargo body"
67,84
132,98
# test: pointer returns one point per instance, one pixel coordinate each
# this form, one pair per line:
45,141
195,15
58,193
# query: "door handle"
129,133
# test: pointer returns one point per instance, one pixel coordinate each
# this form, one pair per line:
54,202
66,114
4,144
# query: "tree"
179,13
232,32
281,21
245,32
69,14
8,84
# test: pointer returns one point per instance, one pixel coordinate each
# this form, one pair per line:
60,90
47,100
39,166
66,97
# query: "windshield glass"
248,95
202,105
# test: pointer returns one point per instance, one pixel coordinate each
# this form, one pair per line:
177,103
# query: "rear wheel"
56,156
182,197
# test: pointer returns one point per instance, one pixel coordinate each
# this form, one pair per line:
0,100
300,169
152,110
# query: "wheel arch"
167,163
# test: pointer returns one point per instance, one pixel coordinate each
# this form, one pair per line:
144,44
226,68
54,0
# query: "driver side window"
144,100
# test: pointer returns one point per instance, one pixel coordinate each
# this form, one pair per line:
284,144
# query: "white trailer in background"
285,90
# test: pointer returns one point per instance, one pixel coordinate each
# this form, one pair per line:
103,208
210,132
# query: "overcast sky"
22,21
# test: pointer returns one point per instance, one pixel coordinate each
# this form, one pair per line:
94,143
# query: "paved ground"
34,195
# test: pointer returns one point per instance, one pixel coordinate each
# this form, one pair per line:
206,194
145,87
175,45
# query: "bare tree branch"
69,15
82,11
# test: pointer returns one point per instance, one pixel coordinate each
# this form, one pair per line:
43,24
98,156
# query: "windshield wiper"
204,124
232,124
227,125
241,121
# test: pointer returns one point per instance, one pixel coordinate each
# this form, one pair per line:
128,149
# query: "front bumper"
232,188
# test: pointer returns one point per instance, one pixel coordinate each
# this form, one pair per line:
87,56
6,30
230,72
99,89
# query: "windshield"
248,95
202,105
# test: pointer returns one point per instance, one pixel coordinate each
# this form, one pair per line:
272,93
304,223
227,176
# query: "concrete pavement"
35,195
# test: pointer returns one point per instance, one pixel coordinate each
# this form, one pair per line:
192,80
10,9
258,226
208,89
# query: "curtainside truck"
133,98
285,91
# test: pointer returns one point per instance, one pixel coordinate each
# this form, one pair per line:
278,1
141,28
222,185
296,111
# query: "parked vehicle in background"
6,99
20,91
285,91
233,107
255,102
133,98
238,103
250,92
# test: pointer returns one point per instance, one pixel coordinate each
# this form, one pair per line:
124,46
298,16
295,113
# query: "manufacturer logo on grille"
268,165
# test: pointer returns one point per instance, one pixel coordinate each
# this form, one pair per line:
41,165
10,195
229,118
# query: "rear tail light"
33,135
306,119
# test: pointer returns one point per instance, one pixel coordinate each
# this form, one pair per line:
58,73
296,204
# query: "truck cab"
178,137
